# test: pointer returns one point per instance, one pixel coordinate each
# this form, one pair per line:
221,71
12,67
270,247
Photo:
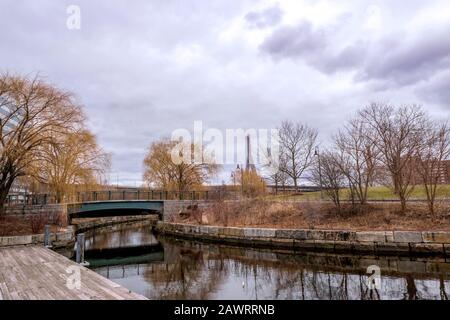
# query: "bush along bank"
364,242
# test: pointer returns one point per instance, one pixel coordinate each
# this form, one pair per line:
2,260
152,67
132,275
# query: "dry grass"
317,215
33,224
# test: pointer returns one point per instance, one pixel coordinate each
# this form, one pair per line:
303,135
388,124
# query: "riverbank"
65,237
380,216
363,242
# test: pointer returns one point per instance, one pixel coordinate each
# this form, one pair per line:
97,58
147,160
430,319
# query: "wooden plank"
35,272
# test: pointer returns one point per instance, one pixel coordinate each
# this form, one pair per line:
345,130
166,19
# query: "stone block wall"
36,209
60,239
378,242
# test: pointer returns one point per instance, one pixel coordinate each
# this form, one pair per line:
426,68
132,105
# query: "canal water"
167,268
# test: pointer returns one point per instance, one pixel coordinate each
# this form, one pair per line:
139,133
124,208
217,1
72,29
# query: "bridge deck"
37,273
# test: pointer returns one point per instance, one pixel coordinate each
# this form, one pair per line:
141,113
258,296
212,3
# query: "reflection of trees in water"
442,291
411,289
192,276
120,236
280,280
199,272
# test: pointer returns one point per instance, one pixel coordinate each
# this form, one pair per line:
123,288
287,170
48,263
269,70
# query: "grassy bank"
320,215
374,193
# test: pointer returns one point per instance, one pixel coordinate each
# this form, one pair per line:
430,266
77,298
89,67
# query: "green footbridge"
115,208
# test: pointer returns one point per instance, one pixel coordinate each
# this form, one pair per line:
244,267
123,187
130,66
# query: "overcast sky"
145,68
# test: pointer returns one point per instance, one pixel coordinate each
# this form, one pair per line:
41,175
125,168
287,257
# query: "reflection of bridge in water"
122,245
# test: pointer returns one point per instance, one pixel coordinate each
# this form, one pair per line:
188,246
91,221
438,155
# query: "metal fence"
152,195
120,195
29,199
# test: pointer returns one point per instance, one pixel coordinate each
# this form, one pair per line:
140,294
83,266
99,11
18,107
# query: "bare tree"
272,166
33,114
357,157
297,143
331,176
434,150
396,135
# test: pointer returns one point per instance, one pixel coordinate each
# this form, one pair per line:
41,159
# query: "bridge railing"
22,199
153,195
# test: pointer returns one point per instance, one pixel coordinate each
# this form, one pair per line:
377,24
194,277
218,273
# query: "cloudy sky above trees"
144,68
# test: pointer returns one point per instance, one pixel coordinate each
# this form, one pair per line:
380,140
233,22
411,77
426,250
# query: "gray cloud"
395,59
437,90
411,61
145,68
268,17
299,41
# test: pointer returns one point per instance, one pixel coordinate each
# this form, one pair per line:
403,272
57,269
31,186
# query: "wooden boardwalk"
38,273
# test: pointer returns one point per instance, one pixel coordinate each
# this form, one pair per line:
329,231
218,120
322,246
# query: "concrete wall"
374,242
60,239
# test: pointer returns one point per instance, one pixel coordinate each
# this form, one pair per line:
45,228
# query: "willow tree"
163,171
74,160
33,114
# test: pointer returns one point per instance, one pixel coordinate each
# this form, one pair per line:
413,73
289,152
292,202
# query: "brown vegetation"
322,215
31,224
248,182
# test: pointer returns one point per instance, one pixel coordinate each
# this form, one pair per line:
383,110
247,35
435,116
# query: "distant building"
443,172
9,115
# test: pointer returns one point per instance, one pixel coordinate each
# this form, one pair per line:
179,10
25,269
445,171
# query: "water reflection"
189,270
119,237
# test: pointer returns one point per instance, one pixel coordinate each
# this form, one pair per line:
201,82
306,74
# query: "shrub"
38,221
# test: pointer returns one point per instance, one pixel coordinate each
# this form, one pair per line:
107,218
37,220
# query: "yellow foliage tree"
73,163
250,182
171,165
33,114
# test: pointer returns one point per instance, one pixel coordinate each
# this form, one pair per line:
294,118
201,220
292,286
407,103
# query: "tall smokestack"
247,147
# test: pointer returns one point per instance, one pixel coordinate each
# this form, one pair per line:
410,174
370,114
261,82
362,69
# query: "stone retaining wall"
60,239
36,209
67,238
373,242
